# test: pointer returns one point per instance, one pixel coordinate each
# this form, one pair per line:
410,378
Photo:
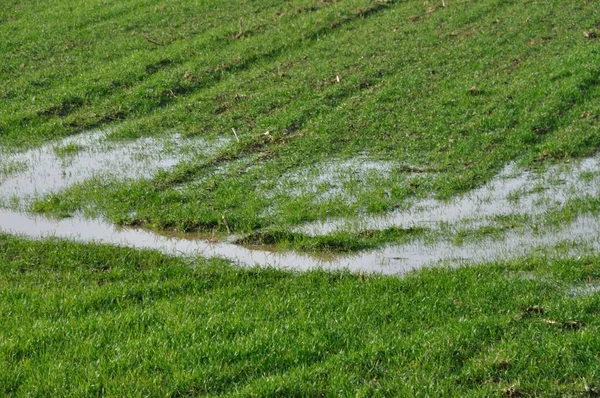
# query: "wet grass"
10,168
68,150
322,109
333,243
98,320
449,95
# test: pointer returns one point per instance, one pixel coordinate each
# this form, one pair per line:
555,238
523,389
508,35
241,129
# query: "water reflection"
583,233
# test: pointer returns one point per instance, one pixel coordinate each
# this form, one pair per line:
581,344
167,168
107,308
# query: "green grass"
337,242
456,91
439,99
67,151
83,320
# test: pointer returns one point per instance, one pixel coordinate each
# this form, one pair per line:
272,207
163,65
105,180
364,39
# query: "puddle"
584,290
221,171
335,179
59,165
512,192
583,233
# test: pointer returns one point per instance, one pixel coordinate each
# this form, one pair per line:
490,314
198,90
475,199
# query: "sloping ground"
455,91
516,214
259,116
98,320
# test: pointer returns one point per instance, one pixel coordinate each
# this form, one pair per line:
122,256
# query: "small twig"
443,4
405,168
574,325
226,225
235,133
241,32
149,40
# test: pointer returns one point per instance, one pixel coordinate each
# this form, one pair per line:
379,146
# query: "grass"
97,320
456,91
67,151
315,109
10,168
336,242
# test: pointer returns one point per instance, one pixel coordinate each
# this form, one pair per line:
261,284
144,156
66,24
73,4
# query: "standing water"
51,168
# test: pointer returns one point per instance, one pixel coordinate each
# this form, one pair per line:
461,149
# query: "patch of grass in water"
340,242
67,151
9,168
588,176
485,232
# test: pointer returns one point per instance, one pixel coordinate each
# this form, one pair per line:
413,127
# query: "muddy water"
583,234
53,167
512,192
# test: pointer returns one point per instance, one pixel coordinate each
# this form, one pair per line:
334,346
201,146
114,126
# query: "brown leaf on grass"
502,365
590,390
474,90
568,325
592,33
533,309
512,391
189,77
151,40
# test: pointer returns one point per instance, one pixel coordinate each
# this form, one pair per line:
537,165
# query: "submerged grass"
337,242
455,92
99,320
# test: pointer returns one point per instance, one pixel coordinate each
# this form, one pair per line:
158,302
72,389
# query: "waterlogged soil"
54,167
581,235
336,178
59,165
513,191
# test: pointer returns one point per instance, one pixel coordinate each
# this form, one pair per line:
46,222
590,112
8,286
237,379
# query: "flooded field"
56,166
335,178
512,192
580,236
